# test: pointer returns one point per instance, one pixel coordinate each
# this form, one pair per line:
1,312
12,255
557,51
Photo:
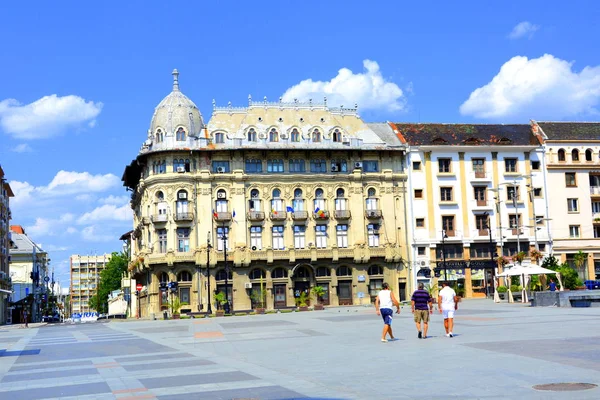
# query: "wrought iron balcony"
277,215
159,218
223,216
184,216
322,214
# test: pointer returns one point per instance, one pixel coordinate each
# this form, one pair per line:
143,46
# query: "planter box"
176,316
302,308
259,310
220,313
319,307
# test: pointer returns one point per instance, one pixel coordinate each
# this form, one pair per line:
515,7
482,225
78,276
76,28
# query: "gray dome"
176,111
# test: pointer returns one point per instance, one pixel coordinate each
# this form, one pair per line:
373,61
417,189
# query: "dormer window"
180,134
251,135
504,141
439,140
472,141
273,135
219,137
337,135
295,135
160,136
316,135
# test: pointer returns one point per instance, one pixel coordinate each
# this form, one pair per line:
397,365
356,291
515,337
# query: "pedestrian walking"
422,306
552,285
24,318
447,304
383,305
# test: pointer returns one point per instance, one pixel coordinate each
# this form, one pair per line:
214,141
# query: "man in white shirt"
447,304
383,305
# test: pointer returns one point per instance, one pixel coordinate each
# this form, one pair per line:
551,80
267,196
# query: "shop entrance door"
279,291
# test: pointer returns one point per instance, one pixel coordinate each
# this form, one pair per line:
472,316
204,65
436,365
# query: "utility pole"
208,247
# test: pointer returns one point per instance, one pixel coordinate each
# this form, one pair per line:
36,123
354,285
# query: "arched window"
561,155
323,271
337,135
221,194
219,137
344,271
279,273
276,193
575,155
164,277
273,135
182,195
221,275
371,192
588,155
254,194
316,135
295,135
339,193
319,193
160,196
180,135
251,135
375,270
257,273
298,193
160,136
184,276
302,272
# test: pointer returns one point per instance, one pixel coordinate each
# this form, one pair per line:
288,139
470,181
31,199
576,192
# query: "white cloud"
91,234
107,212
48,226
22,148
46,117
369,89
539,88
64,183
117,200
52,247
523,29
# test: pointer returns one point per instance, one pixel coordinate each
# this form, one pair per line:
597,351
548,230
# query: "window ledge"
512,173
448,203
446,174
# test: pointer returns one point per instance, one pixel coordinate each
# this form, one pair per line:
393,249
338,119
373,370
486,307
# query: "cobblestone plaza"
500,350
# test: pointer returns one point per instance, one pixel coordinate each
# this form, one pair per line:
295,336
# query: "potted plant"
221,300
536,255
302,302
174,305
259,298
502,292
318,292
432,289
520,256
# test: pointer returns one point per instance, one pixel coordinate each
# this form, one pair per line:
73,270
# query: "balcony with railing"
159,218
256,216
342,214
595,190
223,216
481,204
300,215
596,218
277,215
480,176
321,214
373,214
184,217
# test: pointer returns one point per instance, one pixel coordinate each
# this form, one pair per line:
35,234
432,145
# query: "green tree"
110,279
580,261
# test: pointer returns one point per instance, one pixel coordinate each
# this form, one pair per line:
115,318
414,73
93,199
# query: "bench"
584,300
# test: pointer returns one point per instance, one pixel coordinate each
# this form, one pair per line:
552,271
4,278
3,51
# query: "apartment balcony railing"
159,218
322,214
596,218
277,215
184,216
300,215
595,190
483,232
342,214
146,220
373,214
256,216
223,216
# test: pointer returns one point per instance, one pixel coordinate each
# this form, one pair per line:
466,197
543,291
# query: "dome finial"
175,74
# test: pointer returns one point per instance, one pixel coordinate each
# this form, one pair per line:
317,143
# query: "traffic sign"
138,287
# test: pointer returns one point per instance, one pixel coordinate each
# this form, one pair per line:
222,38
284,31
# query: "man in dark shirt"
422,307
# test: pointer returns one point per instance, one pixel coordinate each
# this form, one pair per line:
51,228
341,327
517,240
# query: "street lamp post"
444,236
208,247
489,228
227,305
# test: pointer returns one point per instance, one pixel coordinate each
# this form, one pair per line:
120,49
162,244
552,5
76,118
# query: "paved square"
500,351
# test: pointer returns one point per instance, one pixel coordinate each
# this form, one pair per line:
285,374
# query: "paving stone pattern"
500,351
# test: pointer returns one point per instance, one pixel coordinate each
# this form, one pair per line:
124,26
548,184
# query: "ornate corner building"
265,202
5,238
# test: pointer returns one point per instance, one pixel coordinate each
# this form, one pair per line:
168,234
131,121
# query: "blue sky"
79,82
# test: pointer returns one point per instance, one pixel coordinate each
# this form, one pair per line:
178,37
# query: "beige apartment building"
5,236
85,275
573,174
272,198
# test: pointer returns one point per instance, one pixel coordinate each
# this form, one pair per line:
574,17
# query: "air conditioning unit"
180,169
182,195
372,213
221,195
247,285
220,170
358,164
334,168
423,263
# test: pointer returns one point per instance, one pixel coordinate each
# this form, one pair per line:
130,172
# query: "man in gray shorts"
422,307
